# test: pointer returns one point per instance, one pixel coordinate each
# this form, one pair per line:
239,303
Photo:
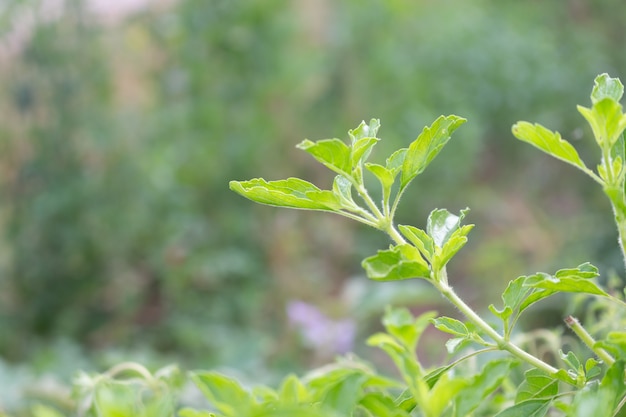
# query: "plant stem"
502,343
588,340
441,284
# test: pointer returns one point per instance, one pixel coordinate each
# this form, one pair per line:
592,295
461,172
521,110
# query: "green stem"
441,284
368,200
503,344
588,340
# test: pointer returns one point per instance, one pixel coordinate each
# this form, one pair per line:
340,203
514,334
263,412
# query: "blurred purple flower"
319,331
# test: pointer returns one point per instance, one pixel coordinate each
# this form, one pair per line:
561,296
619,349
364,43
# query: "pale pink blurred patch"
319,331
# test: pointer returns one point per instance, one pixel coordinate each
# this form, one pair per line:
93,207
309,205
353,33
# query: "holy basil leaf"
457,240
584,271
224,393
342,189
606,120
293,391
333,153
529,408
606,87
450,325
442,224
292,193
420,240
514,293
537,385
401,324
427,145
549,142
563,284
361,150
442,394
396,160
397,263
363,130
384,175
480,386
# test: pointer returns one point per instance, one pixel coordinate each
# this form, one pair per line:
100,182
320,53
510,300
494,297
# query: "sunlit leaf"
333,153
398,263
549,142
420,240
442,224
457,240
450,325
444,391
292,193
606,120
396,160
606,87
427,145
384,175
363,130
361,150
342,189
292,390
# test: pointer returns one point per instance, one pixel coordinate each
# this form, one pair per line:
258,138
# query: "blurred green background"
120,131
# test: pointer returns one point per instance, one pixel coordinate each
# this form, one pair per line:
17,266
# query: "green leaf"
361,150
384,175
401,324
292,193
442,224
292,391
333,153
606,120
224,393
537,385
549,142
514,293
396,160
457,240
571,360
420,240
381,404
444,391
427,145
529,408
606,87
342,189
480,386
363,130
584,271
343,394
601,399
450,325
397,263
563,284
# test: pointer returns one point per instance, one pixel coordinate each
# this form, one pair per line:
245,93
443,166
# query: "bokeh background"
122,122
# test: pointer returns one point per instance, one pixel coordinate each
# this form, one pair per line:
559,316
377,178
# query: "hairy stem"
502,343
441,283
588,340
